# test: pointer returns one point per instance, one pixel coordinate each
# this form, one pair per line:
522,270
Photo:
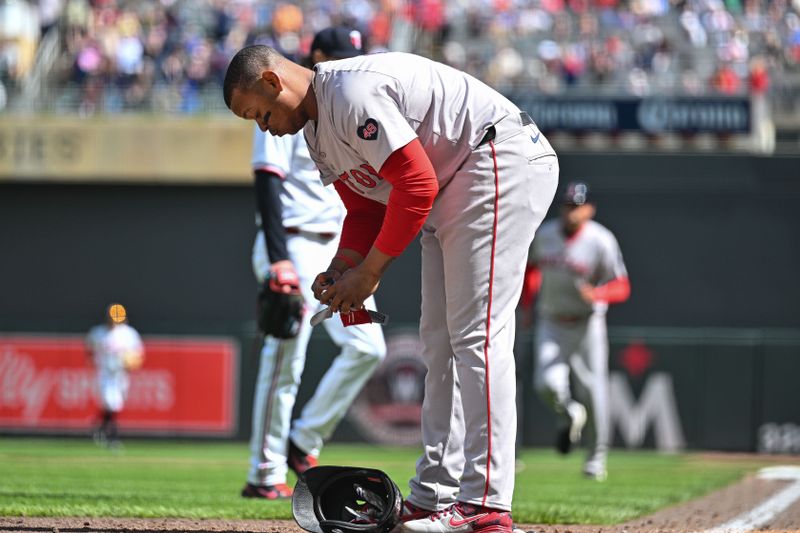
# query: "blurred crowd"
170,55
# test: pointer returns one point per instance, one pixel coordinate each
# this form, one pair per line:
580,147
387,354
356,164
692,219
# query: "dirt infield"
697,515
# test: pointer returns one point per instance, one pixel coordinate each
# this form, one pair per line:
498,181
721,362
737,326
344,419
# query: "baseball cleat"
570,435
412,512
462,518
601,475
595,469
298,460
279,491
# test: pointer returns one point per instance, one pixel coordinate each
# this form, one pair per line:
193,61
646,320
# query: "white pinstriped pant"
282,363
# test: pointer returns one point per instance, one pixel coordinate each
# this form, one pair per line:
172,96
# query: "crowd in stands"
170,55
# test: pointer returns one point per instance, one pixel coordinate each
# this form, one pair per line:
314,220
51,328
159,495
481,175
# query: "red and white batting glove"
283,278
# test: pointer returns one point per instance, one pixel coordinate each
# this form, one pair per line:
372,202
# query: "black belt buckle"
489,136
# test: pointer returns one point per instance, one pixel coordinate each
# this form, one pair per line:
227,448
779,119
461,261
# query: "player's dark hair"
246,67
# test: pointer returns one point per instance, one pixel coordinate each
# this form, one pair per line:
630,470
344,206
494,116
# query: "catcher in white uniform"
301,220
576,268
410,145
115,349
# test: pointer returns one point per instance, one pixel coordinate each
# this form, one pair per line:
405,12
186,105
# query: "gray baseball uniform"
493,193
571,337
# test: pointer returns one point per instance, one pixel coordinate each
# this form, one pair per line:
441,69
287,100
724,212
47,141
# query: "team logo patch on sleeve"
369,131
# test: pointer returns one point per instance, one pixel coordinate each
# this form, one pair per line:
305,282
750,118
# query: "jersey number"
365,175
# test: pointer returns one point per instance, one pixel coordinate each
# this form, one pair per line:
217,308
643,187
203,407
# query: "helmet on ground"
346,499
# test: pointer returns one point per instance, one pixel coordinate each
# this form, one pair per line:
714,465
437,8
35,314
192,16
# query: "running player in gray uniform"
410,145
301,220
577,269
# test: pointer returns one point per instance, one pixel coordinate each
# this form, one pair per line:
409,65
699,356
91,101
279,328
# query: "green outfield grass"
72,477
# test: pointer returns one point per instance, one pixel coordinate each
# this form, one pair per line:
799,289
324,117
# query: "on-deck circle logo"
389,408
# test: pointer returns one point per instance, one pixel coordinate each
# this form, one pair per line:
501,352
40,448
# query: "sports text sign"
186,386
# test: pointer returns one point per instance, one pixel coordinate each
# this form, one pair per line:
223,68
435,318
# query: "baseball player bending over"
577,270
301,220
413,145
115,349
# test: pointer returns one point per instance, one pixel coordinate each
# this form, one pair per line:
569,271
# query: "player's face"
574,216
271,106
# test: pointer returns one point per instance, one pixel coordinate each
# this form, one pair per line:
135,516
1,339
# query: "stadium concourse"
170,55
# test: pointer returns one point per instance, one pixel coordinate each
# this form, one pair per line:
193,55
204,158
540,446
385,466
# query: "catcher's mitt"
280,304
346,499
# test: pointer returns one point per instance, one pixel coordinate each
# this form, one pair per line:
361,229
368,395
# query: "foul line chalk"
770,508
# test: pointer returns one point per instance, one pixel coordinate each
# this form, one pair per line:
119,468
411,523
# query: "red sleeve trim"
414,187
531,285
278,171
615,291
363,221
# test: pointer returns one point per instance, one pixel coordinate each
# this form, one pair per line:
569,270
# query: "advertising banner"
185,386
648,115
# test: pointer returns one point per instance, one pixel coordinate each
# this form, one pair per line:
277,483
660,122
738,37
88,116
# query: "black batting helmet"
346,499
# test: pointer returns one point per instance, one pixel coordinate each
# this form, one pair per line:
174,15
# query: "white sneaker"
570,435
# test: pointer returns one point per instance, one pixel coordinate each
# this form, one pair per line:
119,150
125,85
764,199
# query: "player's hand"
323,281
350,290
587,293
283,276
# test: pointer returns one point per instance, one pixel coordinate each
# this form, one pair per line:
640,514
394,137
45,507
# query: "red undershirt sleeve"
363,220
531,285
615,291
414,187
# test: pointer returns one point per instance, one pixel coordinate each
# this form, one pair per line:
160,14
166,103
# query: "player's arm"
614,292
531,286
618,289
360,228
268,201
133,357
414,187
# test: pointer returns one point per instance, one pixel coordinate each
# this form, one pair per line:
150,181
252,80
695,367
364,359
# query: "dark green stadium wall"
709,241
